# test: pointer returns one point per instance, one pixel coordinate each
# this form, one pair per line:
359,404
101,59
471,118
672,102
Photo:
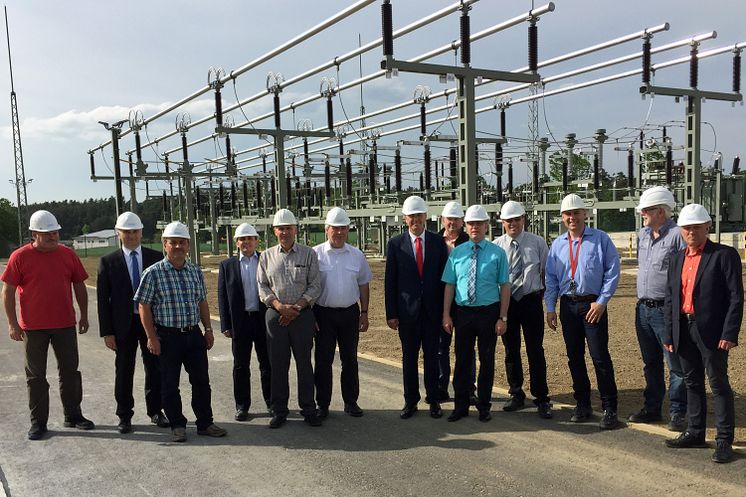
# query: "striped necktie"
516,270
471,289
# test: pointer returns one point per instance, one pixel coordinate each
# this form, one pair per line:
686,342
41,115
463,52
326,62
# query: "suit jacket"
717,296
231,302
114,291
409,298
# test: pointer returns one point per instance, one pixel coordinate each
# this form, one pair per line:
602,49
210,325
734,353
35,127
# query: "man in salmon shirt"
42,273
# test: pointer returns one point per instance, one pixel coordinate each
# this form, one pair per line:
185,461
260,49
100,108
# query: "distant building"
103,238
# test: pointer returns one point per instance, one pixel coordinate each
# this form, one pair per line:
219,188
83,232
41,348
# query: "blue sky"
79,62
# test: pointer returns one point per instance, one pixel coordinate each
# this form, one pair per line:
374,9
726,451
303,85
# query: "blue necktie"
135,271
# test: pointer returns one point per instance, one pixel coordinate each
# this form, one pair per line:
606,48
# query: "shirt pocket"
324,267
299,273
593,262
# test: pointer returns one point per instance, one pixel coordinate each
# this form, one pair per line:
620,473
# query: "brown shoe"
212,431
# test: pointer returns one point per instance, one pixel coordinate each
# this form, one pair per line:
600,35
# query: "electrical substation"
240,163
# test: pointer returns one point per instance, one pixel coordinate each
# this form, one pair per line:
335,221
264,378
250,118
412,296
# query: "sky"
76,63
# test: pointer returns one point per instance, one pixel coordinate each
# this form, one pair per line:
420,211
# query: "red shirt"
43,280
688,275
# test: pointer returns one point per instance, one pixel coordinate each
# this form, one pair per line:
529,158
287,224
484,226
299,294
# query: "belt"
477,308
251,313
185,329
580,298
651,303
689,318
337,309
537,293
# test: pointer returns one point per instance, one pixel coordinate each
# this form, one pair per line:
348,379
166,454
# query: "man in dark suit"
242,318
703,313
414,302
119,322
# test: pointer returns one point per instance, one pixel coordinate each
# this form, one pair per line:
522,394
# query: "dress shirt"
248,278
653,257
492,271
288,276
688,275
413,239
343,271
534,253
128,260
174,293
597,271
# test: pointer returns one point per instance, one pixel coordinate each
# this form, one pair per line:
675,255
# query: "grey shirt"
288,276
534,252
653,256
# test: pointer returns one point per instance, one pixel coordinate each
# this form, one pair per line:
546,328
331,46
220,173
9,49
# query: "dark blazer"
408,297
718,296
231,302
114,291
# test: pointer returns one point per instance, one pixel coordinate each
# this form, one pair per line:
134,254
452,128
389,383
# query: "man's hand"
228,333
501,327
448,324
15,332
668,347
393,324
111,342
83,325
552,320
362,324
154,346
209,339
726,345
595,313
287,313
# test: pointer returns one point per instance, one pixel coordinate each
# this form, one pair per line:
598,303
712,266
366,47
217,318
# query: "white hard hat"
414,205
693,214
245,229
43,221
128,221
511,209
337,217
452,209
476,213
657,195
175,229
284,217
572,202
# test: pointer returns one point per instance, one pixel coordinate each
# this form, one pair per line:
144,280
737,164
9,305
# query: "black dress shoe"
484,415
312,419
581,414
645,416
124,426
435,410
37,431
408,411
687,440
544,409
79,422
160,420
514,403
473,400
241,415
322,412
723,452
277,421
609,420
457,414
353,410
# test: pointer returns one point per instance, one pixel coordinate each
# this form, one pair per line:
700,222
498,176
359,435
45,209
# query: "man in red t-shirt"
42,272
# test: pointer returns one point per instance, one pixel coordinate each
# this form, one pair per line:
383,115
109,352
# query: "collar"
327,247
241,257
697,251
168,266
127,251
588,231
412,236
294,248
670,223
481,244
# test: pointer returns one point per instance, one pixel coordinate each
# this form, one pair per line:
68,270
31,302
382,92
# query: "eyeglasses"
512,220
649,210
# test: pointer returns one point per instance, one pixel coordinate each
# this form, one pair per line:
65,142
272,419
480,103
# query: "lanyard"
574,260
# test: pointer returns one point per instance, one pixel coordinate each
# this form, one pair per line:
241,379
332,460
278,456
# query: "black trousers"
337,326
527,313
422,334
252,334
124,372
444,361
576,331
297,337
188,349
475,324
696,359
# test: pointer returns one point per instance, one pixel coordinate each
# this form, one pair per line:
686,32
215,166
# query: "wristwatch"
504,319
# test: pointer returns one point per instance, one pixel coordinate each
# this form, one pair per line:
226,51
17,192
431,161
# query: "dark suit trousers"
189,349
422,334
576,331
253,333
475,324
124,364
528,314
336,326
64,343
444,361
281,340
696,358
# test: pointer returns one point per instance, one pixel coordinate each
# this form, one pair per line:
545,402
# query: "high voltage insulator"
642,140
387,19
305,152
422,185
166,209
499,171
423,120
289,190
646,60
264,163
371,174
465,36
437,179
221,194
533,46
299,194
276,100
292,165
228,151
630,170
93,165
669,167
329,114
535,171
427,168
234,197
258,194
503,130
736,165
348,178
245,196
397,170
564,175
596,173
387,178
693,67
273,193
737,71
510,178
218,107
198,199
327,180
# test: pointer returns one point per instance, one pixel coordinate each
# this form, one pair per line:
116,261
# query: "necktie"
516,270
471,288
418,256
135,274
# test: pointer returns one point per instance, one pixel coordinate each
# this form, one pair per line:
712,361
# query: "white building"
103,238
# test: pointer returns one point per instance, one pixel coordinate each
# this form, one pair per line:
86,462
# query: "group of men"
279,302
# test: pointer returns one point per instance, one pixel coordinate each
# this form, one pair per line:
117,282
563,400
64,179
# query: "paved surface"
377,455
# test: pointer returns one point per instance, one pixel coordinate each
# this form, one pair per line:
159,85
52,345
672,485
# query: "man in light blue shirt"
583,272
477,273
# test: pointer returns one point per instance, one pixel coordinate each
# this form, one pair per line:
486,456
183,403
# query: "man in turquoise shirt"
477,273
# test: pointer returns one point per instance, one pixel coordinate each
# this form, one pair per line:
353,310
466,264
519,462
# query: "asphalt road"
515,454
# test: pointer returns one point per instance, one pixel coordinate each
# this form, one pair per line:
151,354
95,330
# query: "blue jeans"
649,325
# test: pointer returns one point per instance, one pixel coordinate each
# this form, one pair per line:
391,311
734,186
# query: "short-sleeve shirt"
492,272
343,270
174,294
43,282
